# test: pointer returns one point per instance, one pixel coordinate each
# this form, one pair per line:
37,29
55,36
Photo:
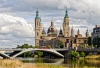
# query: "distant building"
95,35
96,32
52,38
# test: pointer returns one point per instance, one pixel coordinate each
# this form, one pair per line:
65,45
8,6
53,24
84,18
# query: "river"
76,63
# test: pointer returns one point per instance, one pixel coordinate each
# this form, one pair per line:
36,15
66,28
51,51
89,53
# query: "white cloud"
27,39
4,41
16,26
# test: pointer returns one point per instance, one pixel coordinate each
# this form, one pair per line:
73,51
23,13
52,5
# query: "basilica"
52,37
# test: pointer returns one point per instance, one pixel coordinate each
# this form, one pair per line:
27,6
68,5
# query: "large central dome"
52,31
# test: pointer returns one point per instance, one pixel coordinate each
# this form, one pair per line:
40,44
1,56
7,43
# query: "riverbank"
41,65
92,57
10,63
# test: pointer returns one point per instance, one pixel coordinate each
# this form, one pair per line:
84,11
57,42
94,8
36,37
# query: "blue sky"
17,18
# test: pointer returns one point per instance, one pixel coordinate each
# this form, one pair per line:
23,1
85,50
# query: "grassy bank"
42,65
93,57
7,63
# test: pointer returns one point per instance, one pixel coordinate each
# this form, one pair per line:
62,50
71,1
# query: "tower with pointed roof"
87,33
72,32
43,32
38,28
78,32
60,33
66,25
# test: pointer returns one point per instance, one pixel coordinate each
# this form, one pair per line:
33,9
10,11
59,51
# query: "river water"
76,63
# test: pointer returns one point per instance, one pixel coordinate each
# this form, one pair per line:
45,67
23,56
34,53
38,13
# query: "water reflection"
76,63
82,63
41,60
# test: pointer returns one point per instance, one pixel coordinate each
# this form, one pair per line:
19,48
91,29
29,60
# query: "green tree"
82,54
98,45
25,46
74,54
40,53
96,42
26,54
36,47
60,44
89,41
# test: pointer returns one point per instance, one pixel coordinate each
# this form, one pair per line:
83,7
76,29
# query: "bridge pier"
66,56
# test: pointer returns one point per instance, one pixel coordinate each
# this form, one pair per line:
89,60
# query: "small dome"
43,31
52,29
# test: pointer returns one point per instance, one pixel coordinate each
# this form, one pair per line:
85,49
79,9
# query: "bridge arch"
46,50
4,55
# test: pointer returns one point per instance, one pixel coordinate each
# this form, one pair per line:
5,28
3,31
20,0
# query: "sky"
17,18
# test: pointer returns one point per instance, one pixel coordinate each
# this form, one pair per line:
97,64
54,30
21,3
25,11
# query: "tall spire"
66,13
87,30
60,33
52,19
43,31
52,23
87,33
37,14
78,32
72,32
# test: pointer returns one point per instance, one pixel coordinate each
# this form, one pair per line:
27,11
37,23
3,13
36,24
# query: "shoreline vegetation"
14,63
92,57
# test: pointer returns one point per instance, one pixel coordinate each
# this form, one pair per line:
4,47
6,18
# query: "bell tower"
72,32
66,25
87,33
38,28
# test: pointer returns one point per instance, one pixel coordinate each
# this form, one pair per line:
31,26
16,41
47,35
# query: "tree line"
95,42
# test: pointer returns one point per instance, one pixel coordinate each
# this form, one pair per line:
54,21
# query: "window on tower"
37,23
37,33
75,41
67,33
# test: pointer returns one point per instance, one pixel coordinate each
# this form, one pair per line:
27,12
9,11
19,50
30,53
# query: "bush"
82,54
40,53
74,54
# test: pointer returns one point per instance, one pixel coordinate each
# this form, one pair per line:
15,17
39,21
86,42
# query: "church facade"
52,37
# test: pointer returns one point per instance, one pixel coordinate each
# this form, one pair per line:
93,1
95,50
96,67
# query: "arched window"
67,33
75,41
37,33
